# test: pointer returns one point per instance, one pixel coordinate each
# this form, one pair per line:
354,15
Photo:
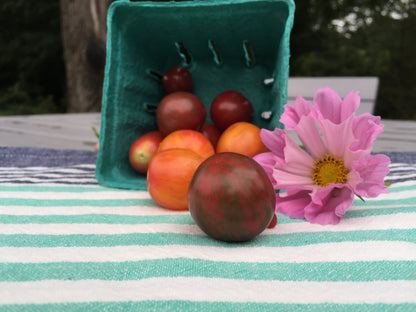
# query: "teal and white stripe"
67,247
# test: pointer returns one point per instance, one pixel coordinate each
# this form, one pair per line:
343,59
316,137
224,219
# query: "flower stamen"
329,170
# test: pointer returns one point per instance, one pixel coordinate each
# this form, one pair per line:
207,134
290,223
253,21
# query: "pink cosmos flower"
321,179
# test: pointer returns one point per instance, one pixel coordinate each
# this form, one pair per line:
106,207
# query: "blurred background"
52,53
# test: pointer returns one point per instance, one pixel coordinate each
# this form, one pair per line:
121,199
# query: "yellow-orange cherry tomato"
169,175
243,138
190,140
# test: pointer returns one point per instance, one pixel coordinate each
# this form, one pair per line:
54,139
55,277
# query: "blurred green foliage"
377,39
32,71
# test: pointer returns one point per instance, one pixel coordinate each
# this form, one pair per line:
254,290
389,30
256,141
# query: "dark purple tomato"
230,107
231,197
176,79
180,110
212,133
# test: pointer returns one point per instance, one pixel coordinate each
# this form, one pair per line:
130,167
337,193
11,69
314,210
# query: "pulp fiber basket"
240,45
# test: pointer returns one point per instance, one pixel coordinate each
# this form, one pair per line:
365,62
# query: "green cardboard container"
240,45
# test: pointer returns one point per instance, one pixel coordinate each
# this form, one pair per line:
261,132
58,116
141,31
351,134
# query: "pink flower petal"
290,166
309,135
366,128
329,104
297,159
338,137
275,141
329,204
297,168
349,105
267,161
293,204
292,114
372,170
285,179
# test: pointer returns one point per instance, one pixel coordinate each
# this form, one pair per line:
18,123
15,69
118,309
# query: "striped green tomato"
231,197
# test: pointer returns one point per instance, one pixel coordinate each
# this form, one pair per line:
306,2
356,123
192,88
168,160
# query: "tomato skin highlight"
231,198
180,110
230,107
169,175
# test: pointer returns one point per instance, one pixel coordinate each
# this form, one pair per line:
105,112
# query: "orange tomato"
169,175
243,138
190,140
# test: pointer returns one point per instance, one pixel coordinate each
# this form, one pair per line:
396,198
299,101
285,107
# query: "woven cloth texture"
69,244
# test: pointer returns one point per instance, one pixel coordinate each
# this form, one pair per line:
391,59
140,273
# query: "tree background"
38,50
32,71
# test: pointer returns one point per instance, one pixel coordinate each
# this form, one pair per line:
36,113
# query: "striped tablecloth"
69,244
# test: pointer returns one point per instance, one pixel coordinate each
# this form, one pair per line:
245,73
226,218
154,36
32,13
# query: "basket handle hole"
266,115
248,54
150,107
154,74
183,53
268,82
215,52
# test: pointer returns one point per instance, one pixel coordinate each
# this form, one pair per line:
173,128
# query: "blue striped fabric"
69,244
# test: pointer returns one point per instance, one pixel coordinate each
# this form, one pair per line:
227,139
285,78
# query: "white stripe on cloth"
99,194
324,252
83,210
38,168
77,195
78,180
128,211
402,221
207,289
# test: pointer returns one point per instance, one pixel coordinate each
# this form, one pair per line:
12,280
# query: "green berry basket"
240,45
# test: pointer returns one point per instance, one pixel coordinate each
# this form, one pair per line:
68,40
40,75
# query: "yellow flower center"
329,170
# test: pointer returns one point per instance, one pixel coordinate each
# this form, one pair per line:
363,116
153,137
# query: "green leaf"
95,132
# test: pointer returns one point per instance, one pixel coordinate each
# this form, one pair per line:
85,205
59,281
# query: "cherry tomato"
272,223
177,78
143,149
190,140
212,133
180,110
169,175
230,107
242,138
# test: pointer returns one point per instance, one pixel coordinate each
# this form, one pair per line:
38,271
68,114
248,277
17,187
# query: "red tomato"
176,79
143,149
230,107
190,140
169,175
212,133
272,223
180,110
